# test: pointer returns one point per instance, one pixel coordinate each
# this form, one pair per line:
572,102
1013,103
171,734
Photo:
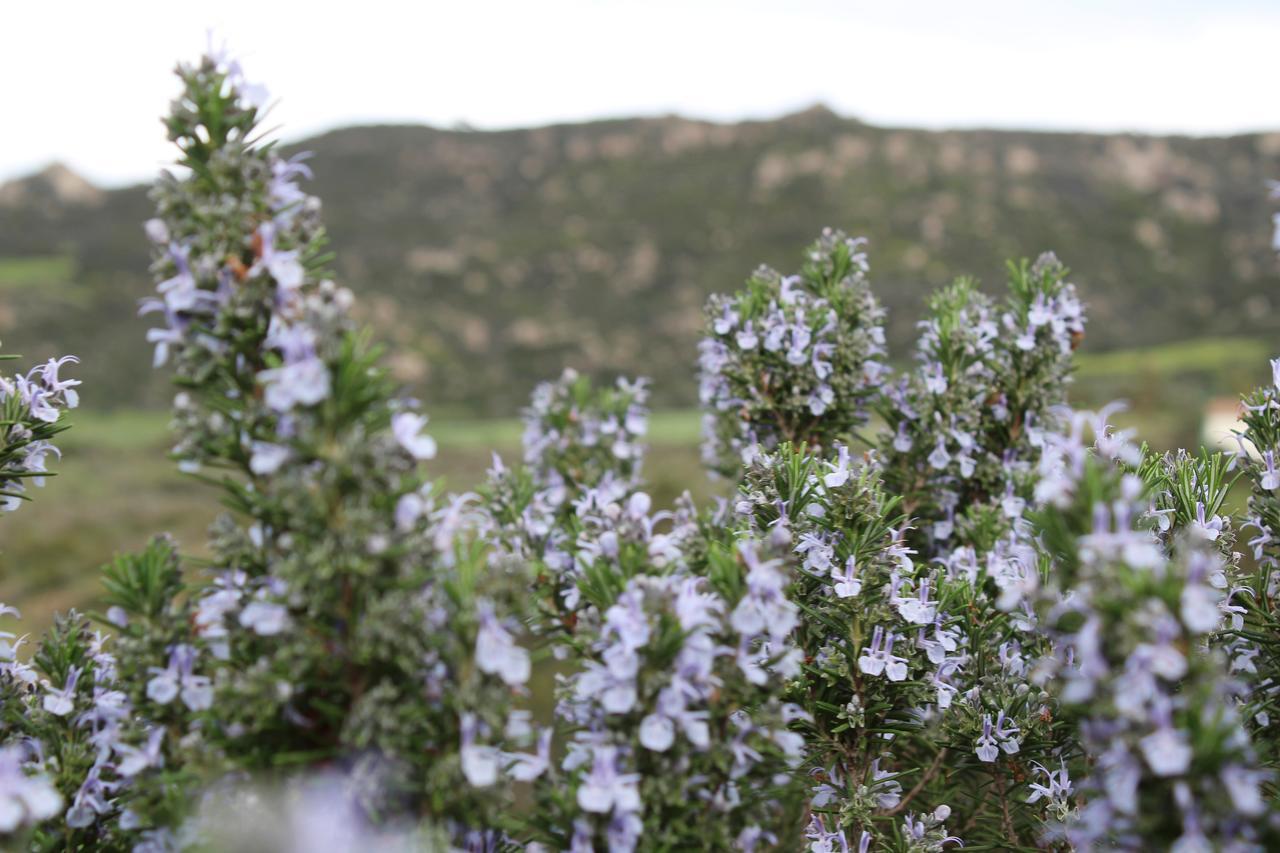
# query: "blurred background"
513,188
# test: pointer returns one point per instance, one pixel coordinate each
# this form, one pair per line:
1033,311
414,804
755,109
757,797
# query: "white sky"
84,81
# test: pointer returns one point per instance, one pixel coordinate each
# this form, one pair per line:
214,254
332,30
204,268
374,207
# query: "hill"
489,260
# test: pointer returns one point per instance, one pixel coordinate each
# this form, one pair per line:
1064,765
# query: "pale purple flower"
264,618
284,194
1057,787
25,798
267,458
285,267
305,382
1167,751
1210,529
839,474
939,458
935,382
657,732
66,387
1270,476
480,763
496,650
986,747
605,789
821,399
181,292
61,701
901,440
407,428
526,767
917,610
1001,736
1244,787
133,760
877,657
847,583
1199,607
89,802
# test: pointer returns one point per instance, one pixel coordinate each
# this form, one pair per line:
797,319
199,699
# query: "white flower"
163,686
1167,751
657,732
480,764
157,231
264,618
1242,785
497,652
267,457
304,382
1199,609
406,427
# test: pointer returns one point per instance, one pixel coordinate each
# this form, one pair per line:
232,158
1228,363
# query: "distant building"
1221,425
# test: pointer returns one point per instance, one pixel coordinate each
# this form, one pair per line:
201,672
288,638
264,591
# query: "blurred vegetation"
116,488
491,260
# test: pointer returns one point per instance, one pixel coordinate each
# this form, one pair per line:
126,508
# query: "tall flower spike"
346,616
1154,701
31,410
963,431
791,358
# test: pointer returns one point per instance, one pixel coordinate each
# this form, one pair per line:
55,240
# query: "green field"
116,487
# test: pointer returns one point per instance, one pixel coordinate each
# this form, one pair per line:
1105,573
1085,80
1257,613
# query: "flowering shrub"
791,358
576,438
678,737
31,415
31,408
963,431
989,622
577,499
343,619
1156,707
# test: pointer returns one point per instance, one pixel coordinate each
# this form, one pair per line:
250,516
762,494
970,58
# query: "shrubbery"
938,609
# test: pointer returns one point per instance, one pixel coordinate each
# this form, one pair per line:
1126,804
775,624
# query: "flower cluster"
25,798
791,358
1254,644
31,408
895,678
577,500
678,737
344,617
963,430
1156,707
577,438
993,620
31,415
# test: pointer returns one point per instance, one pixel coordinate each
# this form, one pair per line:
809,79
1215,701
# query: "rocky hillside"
492,259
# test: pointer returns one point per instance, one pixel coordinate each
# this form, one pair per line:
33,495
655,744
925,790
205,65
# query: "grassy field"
116,487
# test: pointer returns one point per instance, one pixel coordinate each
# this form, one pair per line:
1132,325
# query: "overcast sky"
84,81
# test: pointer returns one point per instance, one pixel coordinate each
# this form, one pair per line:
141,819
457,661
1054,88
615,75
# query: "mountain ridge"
491,258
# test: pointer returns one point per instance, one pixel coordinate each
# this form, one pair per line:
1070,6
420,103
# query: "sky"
85,81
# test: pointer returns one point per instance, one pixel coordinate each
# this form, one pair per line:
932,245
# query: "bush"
978,618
